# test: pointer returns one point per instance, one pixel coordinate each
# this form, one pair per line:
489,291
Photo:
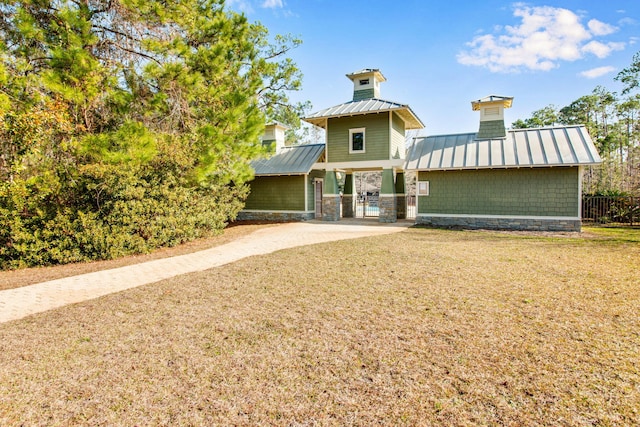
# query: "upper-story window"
356,140
364,82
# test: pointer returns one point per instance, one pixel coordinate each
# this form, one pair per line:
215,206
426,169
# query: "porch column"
387,199
330,197
401,197
347,197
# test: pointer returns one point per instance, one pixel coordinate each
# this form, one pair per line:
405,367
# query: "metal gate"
367,185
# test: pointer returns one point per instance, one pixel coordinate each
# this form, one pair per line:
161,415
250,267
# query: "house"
524,179
494,178
366,133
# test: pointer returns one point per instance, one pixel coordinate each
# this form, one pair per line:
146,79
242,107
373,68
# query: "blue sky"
438,56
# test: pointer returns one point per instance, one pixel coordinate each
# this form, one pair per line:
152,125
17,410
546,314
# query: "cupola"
366,83
492,116
274,136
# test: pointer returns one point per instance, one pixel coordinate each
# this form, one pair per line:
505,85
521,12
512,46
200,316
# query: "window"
364,82
356,140
423,188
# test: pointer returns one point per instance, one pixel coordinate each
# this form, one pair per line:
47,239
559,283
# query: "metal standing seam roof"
366,106
537,147
295,160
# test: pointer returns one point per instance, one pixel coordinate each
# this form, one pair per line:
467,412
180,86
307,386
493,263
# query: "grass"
422,327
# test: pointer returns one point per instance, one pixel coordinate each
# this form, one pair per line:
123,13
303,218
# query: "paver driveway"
21,302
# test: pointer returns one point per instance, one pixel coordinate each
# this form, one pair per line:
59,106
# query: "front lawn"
421,327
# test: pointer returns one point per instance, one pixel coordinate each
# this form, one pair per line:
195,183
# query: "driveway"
21,302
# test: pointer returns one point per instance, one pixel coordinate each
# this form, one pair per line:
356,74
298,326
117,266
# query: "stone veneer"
275,216
388,212
347,206
331,207
401,206
525,224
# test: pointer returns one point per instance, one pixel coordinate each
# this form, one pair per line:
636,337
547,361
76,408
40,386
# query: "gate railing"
367,206
411,206
611,209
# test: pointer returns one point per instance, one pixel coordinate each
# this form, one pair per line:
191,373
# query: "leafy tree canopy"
103,102
614,125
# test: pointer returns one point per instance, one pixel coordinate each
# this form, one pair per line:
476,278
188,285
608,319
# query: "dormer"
492,116
366,83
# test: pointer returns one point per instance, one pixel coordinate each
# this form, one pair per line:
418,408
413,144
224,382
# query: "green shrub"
127,216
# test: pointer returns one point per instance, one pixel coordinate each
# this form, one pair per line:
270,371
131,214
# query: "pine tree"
129,124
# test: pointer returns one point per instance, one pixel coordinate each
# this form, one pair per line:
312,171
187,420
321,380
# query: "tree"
630,76
615,129
547,116
134,119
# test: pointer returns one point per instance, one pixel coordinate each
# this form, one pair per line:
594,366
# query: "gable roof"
537,147
365,106
294,160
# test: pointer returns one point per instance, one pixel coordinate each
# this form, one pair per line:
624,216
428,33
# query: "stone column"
401,197
347,197
387,200
330,197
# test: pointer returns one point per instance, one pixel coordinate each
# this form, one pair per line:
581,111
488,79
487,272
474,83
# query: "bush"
125,216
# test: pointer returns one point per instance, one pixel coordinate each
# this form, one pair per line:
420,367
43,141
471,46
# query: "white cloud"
241,5
601,50
544,37
627,21
599,28
272,4
597,72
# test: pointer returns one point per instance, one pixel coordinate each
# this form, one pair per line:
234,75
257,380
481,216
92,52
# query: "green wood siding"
376,137
397,137
363,94
491,129
278,193
521,192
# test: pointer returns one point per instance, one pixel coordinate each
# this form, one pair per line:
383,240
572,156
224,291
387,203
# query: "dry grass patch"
10,279
422,327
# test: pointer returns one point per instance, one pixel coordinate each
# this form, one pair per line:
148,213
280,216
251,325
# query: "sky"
438,56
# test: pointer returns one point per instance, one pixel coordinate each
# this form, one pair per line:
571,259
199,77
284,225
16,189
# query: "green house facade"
525,179
366,133
284,187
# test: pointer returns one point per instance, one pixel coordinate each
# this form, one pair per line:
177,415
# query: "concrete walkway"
21,302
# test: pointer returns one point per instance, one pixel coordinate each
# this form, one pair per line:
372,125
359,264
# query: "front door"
318,199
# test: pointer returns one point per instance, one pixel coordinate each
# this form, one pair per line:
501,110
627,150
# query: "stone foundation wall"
275,216
331,208
524,224
401,207
388,211
347,206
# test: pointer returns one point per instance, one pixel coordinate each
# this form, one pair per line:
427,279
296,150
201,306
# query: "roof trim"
506,101
352,108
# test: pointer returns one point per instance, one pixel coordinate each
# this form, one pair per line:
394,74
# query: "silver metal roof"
537,147
294,160
366,106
